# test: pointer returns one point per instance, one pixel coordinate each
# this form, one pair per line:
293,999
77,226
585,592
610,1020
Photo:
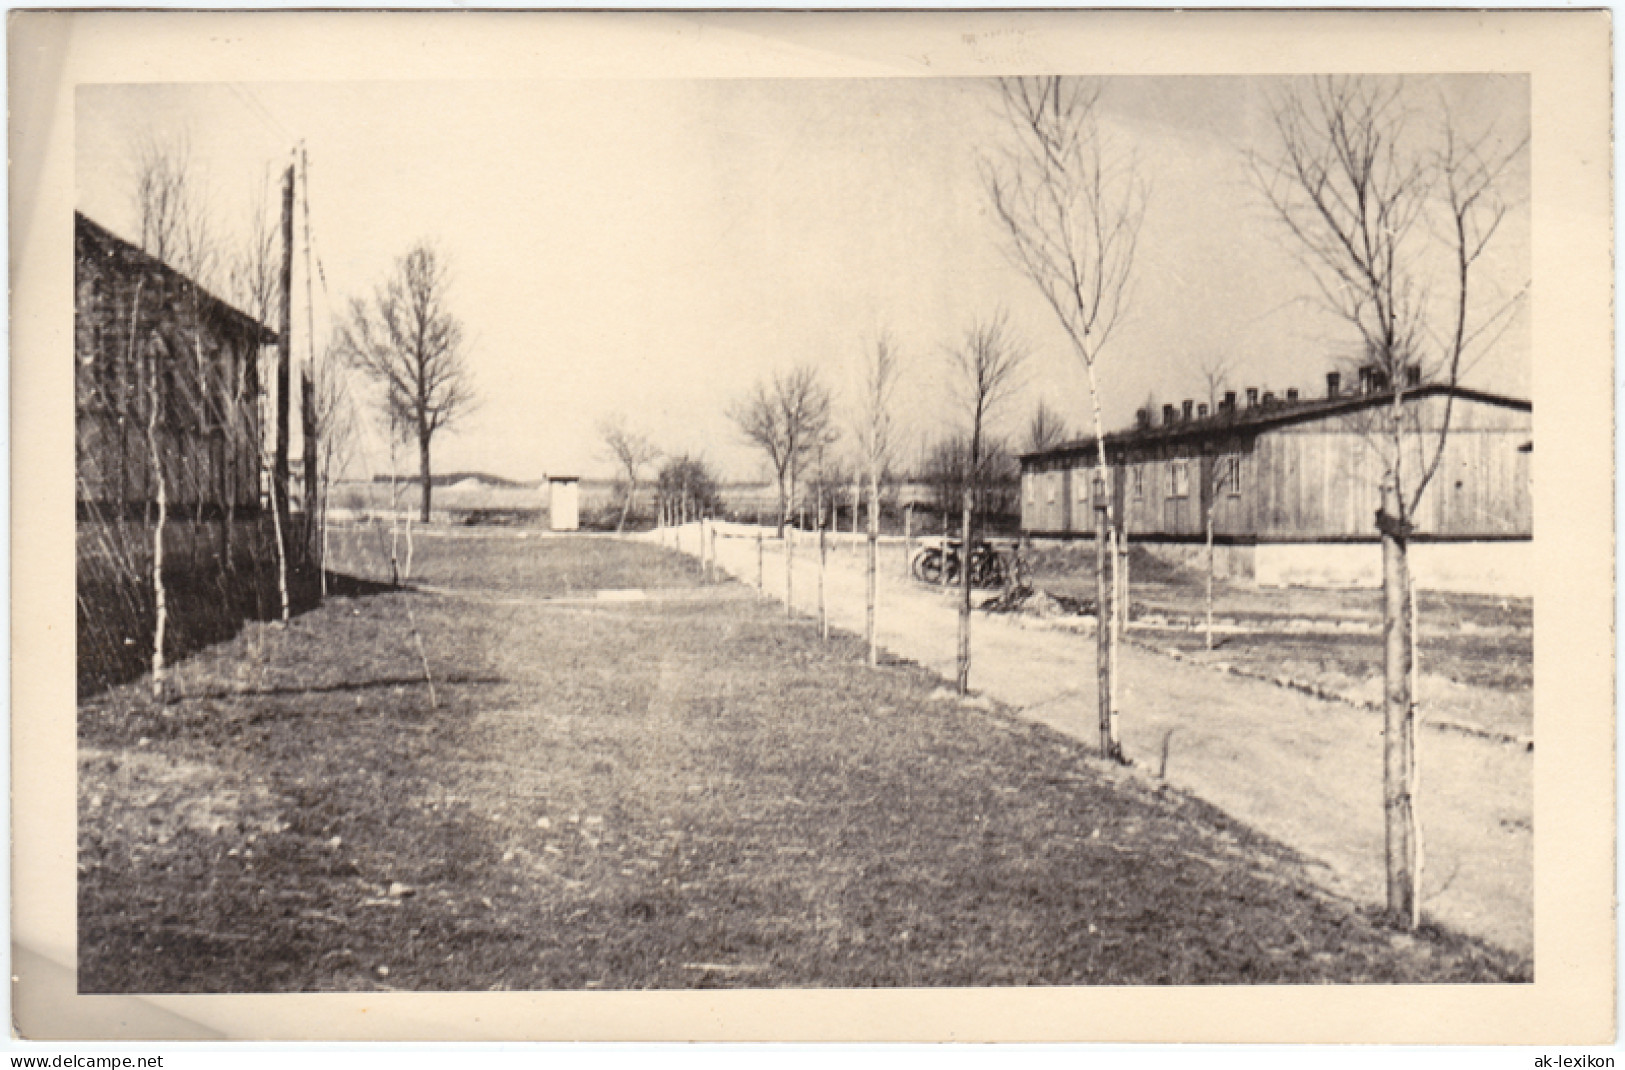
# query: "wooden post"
1109,747
1399,714
761,578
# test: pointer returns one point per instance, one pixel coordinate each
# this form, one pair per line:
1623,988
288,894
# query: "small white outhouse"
564,503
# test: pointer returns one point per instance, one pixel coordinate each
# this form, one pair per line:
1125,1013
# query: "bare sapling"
1103,614
155,456
987,364
823,565
423,656
790,571
873,431
1071,208
1394,203
633,453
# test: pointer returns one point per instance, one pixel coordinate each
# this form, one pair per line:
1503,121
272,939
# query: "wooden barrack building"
1293,483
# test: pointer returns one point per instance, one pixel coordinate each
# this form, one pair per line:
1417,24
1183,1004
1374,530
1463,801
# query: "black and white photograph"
1003,529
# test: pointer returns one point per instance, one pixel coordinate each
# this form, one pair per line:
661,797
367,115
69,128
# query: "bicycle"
941,563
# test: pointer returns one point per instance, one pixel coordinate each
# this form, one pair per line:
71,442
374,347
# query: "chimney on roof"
1229,403
1334,383
1379,379
1142,418
1167,415
1252,397
1292,394
1413,374
1185,410
1365,378
1269,398
1201,411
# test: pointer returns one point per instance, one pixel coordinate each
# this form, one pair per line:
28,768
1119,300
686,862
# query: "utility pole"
284,359
279,460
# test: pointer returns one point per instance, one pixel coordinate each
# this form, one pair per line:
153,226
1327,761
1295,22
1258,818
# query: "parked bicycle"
938,563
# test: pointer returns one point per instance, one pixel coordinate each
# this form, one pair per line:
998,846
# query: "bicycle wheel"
928,568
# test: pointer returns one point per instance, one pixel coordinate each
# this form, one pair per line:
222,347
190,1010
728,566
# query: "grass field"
687,791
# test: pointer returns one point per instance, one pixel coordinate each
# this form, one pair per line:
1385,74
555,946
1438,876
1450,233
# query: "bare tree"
788,418
1218,474
632,452
174,224
1071,208
408,341
171,207
987,366
1046,428
873,432
254,279
1215,376
1392,208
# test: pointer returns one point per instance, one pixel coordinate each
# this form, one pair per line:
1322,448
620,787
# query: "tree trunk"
626,506
857,498
423,470
965,515
1103,632
1105,557
159,594
1210,576
872,591
823,563
908,539
789,571
1399,714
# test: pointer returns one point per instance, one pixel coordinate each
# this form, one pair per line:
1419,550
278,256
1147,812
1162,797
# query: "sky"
651,249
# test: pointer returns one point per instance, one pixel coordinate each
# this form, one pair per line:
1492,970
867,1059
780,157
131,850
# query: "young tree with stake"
987,365
1392,204
873,431
1071,210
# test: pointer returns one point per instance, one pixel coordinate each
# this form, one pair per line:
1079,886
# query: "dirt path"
1303,770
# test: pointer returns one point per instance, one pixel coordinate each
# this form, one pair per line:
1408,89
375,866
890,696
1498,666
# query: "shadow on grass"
205,606
347,687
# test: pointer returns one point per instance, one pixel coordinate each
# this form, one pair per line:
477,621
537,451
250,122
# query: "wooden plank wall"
1317,479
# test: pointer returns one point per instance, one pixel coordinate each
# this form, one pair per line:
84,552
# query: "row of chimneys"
1373,380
